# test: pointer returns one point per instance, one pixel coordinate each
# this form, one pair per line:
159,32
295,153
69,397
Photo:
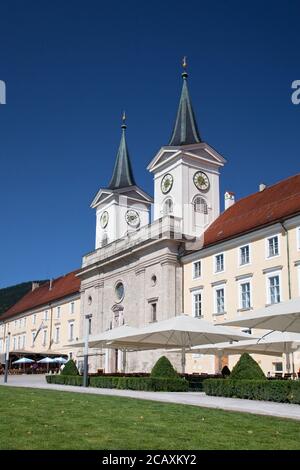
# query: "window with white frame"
57,334
24,322
20,322
71,331
197,304
220,300
278,366
153,307
44,337
245,295
273,246
19,343
200,205
23,341
196,269
16,323
1,345
274,289
244,255
14,343
72,307
34,319
219,263
58,312
46,315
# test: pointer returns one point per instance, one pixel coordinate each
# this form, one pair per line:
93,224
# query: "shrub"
64,379
104,382
225,371
70,368
247,369
282,391
163,369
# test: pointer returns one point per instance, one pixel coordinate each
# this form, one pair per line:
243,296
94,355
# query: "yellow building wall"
257,277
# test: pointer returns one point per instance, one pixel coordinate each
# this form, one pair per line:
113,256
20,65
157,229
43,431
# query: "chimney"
262,187
34,285
50,284
229,199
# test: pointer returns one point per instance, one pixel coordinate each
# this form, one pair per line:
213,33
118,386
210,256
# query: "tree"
164,369
70,368
247,368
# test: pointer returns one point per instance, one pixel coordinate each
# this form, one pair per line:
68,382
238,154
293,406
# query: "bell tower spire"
122,176
185,130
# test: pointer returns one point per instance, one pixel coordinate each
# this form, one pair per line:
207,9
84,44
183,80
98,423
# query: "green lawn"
46,419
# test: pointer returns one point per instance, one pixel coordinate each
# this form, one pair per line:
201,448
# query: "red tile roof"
273,204
61,287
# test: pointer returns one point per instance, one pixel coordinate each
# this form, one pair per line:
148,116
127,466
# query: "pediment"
200,151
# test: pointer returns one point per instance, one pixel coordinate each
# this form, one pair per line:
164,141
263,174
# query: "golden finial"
184,65
124,120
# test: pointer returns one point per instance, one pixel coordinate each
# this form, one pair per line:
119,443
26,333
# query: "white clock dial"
132,218
167,183
104,219
201,181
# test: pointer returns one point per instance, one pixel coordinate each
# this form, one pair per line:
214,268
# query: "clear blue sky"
70,69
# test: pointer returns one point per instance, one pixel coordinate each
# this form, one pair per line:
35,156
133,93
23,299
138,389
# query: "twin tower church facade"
135,275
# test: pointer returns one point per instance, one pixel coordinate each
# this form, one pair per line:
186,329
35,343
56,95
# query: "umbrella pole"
183,360
124,361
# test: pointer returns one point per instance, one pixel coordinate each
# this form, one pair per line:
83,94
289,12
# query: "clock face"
167,183
104,219
132,218
201,181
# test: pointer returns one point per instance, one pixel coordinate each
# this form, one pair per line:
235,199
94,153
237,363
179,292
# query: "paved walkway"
282,410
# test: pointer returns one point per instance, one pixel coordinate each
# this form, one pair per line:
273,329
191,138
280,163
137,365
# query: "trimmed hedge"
282,391
104,382
70,368
163,369
141,383
64,379
247,369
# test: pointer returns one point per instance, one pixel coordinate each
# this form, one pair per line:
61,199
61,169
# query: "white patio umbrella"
182,331
46,360
275,343
283,316
60,360
24,360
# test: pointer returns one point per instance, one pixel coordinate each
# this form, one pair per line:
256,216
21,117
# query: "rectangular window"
19,343
244,255
298,238
90,326
44,337
153,312
196,269
219,263
274,289
72,307
24,322
46,315
245,295
278,366
57,332
23,341
34,319
197,304
220,300
58,312
1,345
20,322
273,246
15,344
71,331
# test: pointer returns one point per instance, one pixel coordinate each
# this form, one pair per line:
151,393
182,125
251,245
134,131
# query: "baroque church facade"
135,276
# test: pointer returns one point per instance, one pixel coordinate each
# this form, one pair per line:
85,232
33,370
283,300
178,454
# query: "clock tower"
186,172
122,207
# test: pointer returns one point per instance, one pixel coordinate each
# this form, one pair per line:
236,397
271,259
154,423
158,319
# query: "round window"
90,300
119,289
153,280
